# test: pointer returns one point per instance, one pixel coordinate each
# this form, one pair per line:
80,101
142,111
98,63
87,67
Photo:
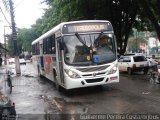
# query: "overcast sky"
26,14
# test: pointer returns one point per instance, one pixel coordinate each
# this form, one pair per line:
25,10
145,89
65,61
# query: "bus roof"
59,27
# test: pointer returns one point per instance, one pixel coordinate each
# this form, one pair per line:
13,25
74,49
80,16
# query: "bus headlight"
113,69
71,74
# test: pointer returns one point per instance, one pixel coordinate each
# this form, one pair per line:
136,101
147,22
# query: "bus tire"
58,87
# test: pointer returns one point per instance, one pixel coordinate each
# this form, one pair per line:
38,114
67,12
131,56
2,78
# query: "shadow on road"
77,91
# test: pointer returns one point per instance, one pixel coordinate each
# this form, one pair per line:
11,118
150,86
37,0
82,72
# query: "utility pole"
5,61
14,38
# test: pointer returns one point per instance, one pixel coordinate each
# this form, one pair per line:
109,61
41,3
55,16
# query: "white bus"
77,54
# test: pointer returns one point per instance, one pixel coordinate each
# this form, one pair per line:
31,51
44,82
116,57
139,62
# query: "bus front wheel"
58,87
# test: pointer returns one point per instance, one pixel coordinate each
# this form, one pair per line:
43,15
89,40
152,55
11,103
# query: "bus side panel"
35,61
48,68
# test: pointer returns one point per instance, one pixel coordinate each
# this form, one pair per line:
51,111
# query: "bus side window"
33,49
53,44
38,50
50,45
47,50
44,46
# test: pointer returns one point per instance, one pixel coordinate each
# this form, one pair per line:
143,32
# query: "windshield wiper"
80,39
100,35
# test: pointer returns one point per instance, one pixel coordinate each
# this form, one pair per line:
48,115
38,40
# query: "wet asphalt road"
37,98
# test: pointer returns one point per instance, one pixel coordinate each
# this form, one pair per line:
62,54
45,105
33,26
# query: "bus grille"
86,75
92,69
94,80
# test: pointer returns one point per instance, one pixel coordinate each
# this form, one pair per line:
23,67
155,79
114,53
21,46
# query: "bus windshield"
89,49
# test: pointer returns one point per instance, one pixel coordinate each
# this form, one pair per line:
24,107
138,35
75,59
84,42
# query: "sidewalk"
3,74
26,72
27,93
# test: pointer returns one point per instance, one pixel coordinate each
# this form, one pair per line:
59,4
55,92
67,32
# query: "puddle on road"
146,93
25,104
67,110
66,107
46,98
29,74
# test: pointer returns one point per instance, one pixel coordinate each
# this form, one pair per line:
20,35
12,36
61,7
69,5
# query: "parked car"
133,62
11,60
21,61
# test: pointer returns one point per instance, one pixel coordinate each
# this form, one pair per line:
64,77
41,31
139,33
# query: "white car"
133,62
21,61
11,60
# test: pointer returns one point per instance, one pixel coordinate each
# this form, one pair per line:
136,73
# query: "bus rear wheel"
39,72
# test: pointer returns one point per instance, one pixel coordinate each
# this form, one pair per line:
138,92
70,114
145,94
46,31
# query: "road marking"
57,105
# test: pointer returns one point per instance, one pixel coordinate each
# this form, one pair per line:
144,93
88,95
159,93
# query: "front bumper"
91,81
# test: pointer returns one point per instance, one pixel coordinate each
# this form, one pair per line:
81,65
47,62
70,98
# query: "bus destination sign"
86,27
89,28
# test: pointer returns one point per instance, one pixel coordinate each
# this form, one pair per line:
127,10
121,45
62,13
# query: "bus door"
59,59
41,60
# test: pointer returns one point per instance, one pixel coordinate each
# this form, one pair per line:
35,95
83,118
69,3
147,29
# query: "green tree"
123,14
10,45
152,10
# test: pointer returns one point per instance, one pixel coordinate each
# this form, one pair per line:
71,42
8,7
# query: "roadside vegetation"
123,14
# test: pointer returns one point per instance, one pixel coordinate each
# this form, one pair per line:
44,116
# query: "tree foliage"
151,10
123,14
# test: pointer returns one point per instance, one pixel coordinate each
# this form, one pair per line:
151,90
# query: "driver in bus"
102,45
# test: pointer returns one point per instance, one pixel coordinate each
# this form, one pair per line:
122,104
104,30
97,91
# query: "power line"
6,5
18,4
4,16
